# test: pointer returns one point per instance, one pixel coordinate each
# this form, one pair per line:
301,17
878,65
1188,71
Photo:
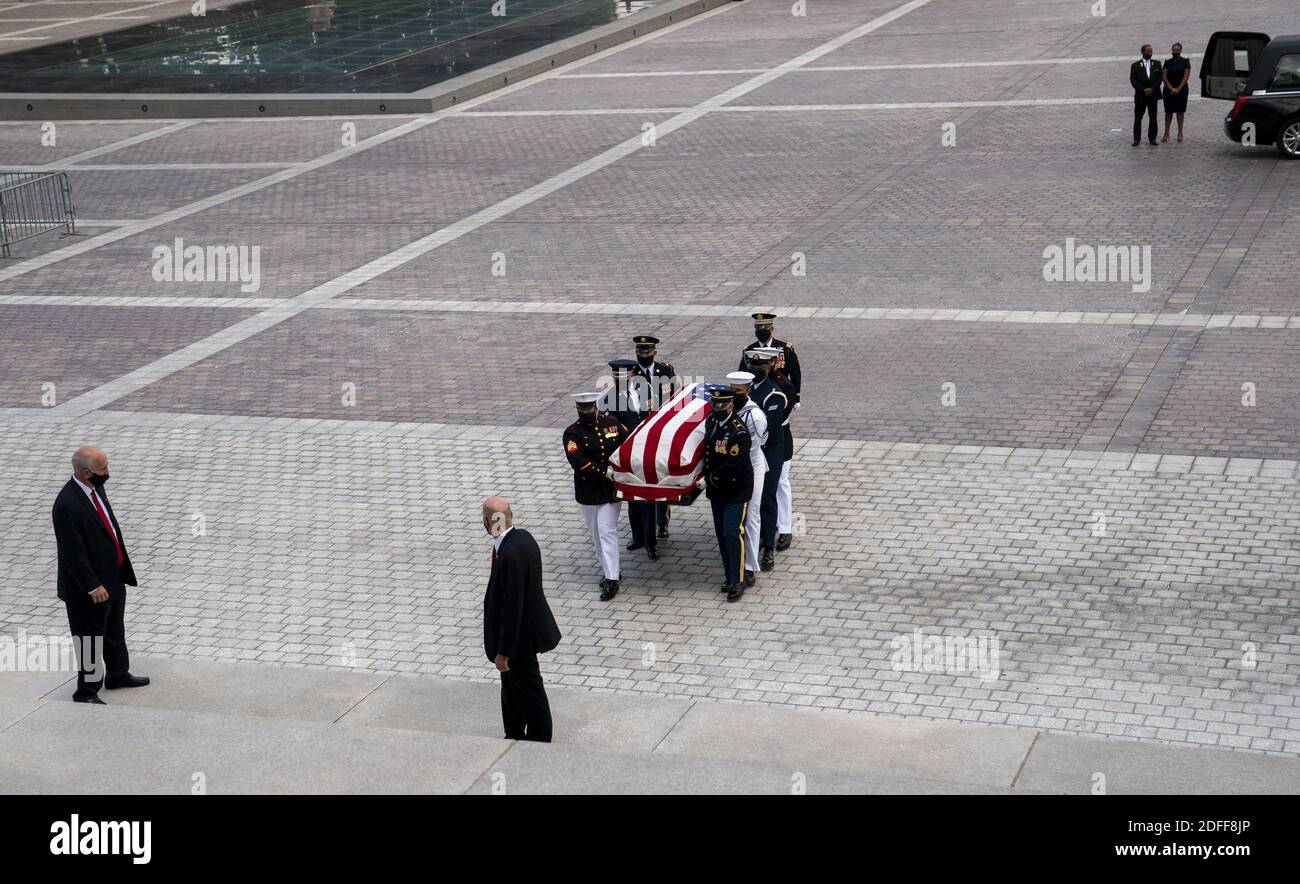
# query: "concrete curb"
77,106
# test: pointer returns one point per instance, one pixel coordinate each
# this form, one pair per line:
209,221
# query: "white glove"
796,405
609,473
699,483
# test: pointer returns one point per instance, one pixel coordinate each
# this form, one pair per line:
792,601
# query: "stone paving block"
534,769
985,757
581,718
188,685
13,709
32,685
1069,764
159,752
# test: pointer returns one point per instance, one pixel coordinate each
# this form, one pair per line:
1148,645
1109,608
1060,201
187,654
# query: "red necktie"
108,526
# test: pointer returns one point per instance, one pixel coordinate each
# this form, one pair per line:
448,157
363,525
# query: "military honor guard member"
728,479
623,401
787,374
588,444
746,408
774,402
659,380
787,363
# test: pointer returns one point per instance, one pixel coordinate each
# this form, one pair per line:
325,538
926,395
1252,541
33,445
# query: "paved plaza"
1102,479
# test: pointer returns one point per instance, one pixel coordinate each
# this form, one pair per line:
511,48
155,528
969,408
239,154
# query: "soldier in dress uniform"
775,405
745,407
786,373
728,479
589,443
623,401
787,363
661,383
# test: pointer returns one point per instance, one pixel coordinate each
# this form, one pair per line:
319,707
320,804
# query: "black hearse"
1262,77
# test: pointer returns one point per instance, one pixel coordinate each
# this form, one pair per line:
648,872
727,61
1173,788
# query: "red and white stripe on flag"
664,455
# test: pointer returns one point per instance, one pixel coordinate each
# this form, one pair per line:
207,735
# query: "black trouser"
524,707
99,639
641,515
661,514
1145,104
729,527
767,504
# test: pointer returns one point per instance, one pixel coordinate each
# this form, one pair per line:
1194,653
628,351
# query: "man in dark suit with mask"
1144,76
94,571
517,624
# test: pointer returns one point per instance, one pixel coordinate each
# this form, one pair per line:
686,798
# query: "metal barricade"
32,203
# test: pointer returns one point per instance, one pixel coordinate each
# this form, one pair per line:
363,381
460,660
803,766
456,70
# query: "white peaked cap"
740,377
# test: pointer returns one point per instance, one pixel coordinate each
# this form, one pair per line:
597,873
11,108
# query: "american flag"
662,458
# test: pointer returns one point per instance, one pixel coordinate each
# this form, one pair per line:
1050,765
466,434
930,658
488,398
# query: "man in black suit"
94,571
517,624
1144,75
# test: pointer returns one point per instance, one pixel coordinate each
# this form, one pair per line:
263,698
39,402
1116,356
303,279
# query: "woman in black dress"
1176,75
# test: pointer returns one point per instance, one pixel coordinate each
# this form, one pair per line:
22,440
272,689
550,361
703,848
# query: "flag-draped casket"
664,456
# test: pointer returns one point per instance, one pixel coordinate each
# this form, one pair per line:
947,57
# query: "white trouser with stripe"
752,521
602,522
784,502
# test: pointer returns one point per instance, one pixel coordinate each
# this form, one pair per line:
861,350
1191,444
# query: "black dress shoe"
766,560
783,542
127,681
652,554
663,532
95,700
636,544
750,579
726,587
608,590
734,592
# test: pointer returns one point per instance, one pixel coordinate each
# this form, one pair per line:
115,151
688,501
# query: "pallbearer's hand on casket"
700,482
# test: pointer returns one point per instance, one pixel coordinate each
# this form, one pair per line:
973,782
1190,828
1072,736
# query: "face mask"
763,333
1177,52
1146,55
587,417
740,400
98,480
646,361
720,413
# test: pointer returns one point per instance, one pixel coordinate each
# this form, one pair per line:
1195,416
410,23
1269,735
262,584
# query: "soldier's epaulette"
738,424
669,367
